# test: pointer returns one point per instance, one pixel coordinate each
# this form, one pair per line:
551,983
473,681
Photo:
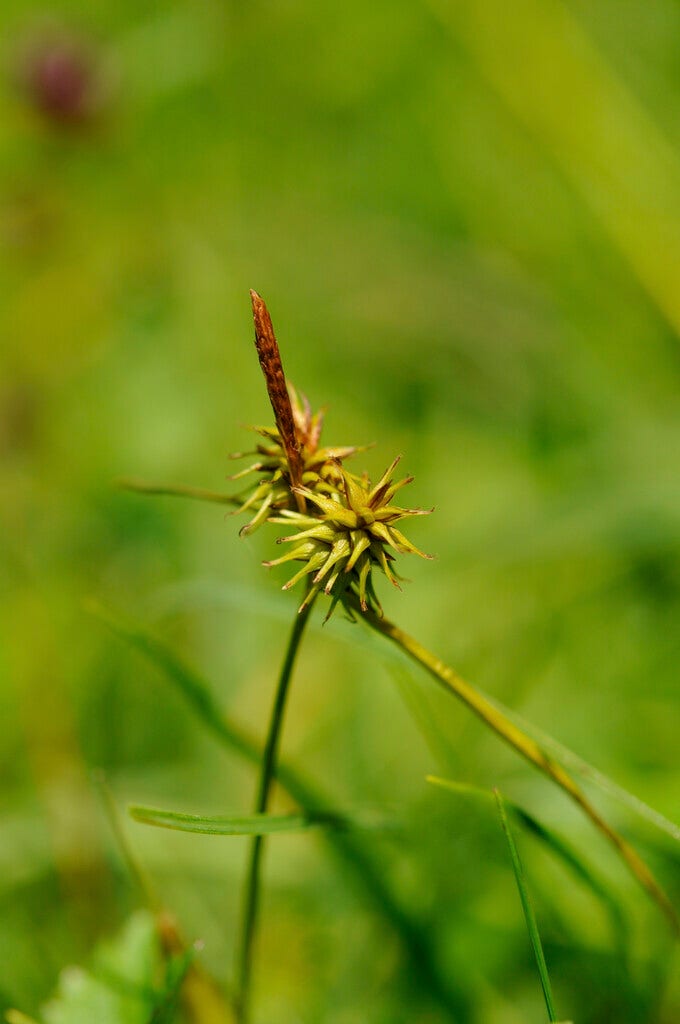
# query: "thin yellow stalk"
525,746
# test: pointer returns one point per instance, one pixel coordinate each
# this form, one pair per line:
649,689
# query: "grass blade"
587,771
177,973
520,741
134,869
569,758
528,910
231,825
555,845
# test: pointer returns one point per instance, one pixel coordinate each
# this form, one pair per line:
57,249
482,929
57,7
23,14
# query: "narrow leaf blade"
525,745
229,825
554,843
528,910
178,491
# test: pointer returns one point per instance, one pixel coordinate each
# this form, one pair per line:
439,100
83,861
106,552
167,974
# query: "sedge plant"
341,532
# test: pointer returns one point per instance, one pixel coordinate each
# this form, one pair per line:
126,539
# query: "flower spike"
270,361
343,526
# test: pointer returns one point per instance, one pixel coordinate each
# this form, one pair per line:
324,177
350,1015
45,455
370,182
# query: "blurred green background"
465,218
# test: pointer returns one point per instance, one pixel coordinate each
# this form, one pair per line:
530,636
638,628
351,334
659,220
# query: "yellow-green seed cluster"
344,525
346,536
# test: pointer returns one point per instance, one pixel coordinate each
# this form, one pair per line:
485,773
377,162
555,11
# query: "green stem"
525,746
353,854
244,960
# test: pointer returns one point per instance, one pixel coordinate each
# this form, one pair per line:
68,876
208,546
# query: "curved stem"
352,851
267,776
525,746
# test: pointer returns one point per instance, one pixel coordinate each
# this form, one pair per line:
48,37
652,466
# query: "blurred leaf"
178,491
177,971
552,842
589,122
527,747
590,773
189,683
122,986
118,988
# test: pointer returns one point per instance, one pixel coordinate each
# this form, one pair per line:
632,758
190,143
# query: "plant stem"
267,775
525,746
352,852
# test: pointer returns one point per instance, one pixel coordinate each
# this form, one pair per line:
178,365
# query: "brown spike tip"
272,368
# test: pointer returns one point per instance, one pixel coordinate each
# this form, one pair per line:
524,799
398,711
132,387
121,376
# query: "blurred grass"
465,222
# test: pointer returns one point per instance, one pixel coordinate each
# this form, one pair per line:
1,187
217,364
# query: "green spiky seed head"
345,535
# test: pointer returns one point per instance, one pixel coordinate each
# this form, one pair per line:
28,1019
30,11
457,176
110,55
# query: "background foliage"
465,218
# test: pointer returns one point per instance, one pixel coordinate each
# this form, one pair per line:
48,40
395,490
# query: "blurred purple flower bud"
61,74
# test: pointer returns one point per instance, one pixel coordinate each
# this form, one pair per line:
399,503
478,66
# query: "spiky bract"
345,535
